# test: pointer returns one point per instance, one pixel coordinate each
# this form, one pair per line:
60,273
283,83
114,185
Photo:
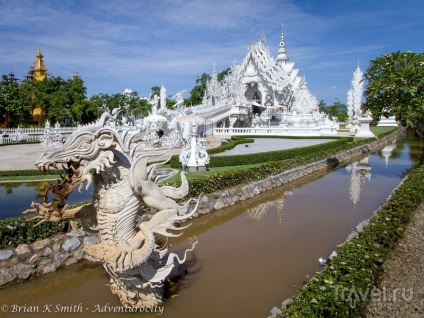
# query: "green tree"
322,104
56,97
14,107
199,90
222,75
395,88
76,89
136,106
338,110
85,112
155,91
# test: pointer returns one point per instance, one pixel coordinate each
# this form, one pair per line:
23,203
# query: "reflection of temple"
359,172
387,151
258,212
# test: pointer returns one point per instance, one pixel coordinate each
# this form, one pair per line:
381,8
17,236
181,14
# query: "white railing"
281,131
36,131
8,140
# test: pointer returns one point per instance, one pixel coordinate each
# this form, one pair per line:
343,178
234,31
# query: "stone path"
24,156
402,287
19,157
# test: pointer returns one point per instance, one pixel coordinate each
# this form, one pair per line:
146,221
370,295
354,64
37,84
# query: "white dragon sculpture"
124,184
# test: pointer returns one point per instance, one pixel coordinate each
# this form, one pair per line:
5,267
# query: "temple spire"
40,71
282,56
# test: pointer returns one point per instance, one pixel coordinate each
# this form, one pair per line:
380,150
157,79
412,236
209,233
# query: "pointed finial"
282,56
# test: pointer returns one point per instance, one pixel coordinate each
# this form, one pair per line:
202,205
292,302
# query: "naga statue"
129,210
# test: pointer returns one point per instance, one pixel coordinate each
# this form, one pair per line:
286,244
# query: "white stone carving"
123,184
52,138
357,89
19,135
358,122
193,156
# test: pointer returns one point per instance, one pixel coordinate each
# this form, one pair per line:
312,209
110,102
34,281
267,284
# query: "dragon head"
82,152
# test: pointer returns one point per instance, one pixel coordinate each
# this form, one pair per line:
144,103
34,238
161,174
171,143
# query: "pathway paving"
20,156
402,286
24,156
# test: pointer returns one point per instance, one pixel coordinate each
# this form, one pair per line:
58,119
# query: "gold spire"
40,71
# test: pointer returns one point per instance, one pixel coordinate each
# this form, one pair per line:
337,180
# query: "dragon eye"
83,145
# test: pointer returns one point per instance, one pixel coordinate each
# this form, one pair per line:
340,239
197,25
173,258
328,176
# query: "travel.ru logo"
355,295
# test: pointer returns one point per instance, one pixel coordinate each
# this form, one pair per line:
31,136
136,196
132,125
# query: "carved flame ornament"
124,185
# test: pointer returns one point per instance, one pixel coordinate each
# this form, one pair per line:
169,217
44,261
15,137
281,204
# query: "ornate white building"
263,92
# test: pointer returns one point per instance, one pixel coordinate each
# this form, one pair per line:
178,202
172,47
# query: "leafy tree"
338,110
199,90
106,102
395,88
76,89
322,104
221,76
130,104
85,112
14,109
155,91
56,97
136,106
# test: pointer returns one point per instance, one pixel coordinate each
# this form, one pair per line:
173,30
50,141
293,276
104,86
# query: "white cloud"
122,42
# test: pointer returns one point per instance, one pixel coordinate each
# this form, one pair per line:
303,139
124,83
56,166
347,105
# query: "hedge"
26,173
255,158
297,157
20,230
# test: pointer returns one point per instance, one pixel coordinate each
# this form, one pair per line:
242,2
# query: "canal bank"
389,245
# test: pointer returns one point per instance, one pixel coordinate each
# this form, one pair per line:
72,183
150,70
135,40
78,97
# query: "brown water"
250,257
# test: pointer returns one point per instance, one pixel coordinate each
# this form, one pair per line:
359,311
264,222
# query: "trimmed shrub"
15,231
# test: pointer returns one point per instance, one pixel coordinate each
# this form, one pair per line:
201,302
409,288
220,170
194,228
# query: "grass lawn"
381,130
29,178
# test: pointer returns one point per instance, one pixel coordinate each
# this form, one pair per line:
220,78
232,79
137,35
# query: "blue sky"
134,44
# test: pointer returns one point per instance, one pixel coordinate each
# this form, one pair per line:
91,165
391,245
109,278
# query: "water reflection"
359,171
388,151
258,212
16,197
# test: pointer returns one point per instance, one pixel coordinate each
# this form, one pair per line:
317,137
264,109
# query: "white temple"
263,92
